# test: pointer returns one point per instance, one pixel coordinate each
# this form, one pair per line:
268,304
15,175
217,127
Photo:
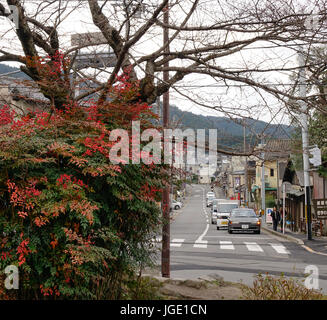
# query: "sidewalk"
317,245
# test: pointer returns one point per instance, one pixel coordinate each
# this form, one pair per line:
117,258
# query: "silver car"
213,213
210,200
245,220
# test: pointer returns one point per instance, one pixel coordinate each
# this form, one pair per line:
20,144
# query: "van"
224,209
213,210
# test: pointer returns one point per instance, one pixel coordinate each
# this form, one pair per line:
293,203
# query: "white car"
210,194
213,213
176,205
214,209
210,200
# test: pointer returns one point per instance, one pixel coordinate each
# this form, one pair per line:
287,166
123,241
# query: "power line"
233,85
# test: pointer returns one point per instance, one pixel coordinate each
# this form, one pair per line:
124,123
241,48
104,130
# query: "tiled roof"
19,89
278,149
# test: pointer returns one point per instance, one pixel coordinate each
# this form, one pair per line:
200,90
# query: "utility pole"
305,144
263,184
165,254
245,170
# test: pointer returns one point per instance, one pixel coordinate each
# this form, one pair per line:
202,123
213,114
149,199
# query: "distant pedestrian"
275,215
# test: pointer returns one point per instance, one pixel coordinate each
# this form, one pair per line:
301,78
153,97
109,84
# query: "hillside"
230,133
6,69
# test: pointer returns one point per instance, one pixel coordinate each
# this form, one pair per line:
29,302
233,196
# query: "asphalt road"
198,249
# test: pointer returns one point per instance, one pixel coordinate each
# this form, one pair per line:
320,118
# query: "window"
272,172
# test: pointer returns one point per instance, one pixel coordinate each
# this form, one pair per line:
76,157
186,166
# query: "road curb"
298,241
313,251
285,236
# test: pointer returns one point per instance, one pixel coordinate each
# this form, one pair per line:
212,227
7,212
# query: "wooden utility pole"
165,254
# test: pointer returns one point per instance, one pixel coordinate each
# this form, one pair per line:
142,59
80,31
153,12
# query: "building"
295,197
236,177
276,156
20,96
206,173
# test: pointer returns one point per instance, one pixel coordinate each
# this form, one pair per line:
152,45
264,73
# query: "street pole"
165,254
305,144
245,170
284,196
263,184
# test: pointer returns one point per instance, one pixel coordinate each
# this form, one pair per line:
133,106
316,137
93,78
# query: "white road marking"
200,244
239,238
280,248
177,242
203,234
253,246
226,245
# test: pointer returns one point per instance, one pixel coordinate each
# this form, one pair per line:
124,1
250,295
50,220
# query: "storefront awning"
267,188
254,188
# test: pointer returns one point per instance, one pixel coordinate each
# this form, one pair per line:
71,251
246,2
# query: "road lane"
189,225
234,256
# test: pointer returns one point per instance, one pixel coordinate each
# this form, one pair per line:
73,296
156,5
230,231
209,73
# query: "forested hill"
230,133
7,69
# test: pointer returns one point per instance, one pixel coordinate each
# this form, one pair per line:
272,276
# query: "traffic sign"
320,206
316,159
268,215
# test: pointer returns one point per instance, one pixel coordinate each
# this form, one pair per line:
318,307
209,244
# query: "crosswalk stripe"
253,246
200,244
226,245
177,242
279,248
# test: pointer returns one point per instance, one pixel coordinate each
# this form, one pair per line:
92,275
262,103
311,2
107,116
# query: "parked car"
244,219
176,205
224,209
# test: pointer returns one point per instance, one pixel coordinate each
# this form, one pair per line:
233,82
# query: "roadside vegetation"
265,287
